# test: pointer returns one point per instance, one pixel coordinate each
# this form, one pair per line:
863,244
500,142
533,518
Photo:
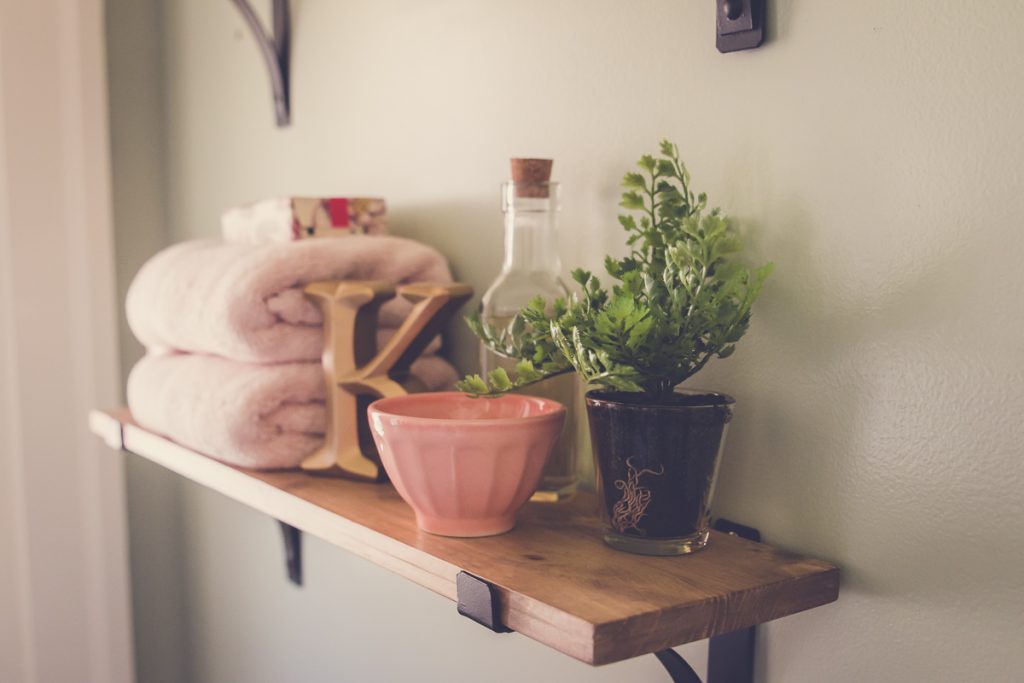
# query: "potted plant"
680,298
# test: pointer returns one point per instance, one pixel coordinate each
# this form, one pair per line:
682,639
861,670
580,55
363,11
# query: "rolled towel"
383,335
245,301
249,415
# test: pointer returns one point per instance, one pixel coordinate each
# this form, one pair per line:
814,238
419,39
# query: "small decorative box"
286,219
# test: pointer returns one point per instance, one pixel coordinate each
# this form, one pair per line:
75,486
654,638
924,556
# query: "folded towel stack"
232,368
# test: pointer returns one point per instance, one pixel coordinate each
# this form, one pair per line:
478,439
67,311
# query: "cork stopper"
531,177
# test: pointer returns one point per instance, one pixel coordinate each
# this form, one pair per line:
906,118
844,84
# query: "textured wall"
871,149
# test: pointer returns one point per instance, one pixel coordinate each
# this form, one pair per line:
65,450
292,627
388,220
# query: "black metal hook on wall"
740,24
276,51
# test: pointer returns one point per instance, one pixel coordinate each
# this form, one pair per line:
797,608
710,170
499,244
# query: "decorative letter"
357,373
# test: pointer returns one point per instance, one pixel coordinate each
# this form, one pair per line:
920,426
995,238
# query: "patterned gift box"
286,219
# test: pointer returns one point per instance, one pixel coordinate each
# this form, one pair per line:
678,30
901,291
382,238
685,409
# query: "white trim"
15,578
63,501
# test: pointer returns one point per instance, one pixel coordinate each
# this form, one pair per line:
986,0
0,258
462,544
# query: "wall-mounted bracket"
679,670
478,600
276,51
740,24
730,656
292,552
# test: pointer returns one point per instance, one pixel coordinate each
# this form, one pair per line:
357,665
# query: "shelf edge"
519,613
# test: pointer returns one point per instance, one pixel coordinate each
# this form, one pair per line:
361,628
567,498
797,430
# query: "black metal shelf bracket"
679,670
478,600
292,552
730,656
276,51
739,24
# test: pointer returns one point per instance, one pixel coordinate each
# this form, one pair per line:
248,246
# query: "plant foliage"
679,298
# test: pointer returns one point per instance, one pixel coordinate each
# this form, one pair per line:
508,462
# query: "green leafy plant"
680,298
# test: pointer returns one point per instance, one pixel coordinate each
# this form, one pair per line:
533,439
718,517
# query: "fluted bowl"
465,465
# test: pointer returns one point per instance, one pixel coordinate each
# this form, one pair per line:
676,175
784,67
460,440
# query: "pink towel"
245,301
249,415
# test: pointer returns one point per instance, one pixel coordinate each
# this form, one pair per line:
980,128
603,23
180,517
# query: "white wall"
872,150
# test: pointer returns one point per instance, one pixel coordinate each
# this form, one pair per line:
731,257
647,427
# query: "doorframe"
64,589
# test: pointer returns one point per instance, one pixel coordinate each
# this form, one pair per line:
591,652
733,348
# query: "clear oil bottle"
530,203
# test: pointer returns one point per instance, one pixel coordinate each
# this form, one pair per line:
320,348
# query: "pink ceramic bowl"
465,465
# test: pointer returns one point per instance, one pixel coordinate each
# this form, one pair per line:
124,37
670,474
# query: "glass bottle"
532,268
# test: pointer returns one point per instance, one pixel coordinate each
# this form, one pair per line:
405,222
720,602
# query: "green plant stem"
520,385
689,312
700,365
654,209
682,177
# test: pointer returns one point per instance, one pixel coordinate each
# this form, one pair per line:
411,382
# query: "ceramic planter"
465,465
657,460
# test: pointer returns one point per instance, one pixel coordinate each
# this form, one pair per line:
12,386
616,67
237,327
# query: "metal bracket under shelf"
276,51
730,656
292,552
478,600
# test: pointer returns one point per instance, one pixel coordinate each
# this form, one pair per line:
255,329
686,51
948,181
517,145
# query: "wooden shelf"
557,581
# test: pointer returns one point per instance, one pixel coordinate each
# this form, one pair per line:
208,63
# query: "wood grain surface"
558,582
